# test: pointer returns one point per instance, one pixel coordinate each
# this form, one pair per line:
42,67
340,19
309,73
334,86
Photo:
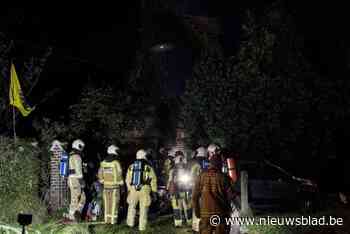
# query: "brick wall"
58,184
179,143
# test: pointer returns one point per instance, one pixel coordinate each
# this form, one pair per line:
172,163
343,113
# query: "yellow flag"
16,96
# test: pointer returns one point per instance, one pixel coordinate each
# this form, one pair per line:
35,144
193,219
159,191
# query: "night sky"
100,41
90,41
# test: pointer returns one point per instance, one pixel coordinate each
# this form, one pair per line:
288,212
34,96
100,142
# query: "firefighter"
212,194
141,182
199,163
76,182
111,176
168,164
179,187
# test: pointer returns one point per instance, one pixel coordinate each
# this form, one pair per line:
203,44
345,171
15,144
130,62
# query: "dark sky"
99,41
92,33
102,40
98,33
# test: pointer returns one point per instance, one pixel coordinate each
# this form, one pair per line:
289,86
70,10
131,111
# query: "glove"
154,196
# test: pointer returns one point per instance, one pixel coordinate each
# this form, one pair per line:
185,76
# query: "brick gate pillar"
58,184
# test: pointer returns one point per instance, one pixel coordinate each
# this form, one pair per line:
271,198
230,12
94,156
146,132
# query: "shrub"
19,181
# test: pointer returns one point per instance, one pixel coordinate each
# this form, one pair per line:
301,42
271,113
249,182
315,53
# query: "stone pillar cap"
56,146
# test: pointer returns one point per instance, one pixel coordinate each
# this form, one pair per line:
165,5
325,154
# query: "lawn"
161,225
164,224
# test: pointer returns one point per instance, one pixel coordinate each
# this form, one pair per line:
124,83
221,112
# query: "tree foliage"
106,115
267,100
110,113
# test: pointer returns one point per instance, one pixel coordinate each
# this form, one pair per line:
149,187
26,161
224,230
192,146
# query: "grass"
335,212
164,225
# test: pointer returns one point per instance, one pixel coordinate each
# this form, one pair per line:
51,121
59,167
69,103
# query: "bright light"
163,47
185,178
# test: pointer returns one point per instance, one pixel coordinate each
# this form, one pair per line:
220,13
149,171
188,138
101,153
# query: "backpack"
137,174
64,164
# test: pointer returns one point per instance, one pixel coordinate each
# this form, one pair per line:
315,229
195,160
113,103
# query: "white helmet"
201,152
112,149
78,145
213,148
141,154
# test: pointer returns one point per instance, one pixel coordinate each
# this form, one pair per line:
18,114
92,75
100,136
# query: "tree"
267,100
112,111
106,115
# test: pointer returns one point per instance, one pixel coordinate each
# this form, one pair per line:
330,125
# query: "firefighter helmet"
112,149
78,145
201,152
213,148
141,154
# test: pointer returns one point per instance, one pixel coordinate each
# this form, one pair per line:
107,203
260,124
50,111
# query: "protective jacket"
110,173
212,194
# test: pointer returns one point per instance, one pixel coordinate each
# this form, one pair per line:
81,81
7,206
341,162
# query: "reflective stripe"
112,215
110,202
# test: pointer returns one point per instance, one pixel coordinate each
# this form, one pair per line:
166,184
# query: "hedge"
19,181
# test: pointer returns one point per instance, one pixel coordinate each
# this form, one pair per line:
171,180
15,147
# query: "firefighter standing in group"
179,187
212,194
141,182
168,164
198,164
111,176
76,182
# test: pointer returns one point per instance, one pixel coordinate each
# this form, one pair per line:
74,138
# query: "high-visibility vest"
111,173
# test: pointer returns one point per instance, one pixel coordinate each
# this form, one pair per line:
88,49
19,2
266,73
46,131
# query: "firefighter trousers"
77,198
182,209
111,198
143,198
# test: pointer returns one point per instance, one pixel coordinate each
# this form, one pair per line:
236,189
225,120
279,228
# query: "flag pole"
13,113
14,124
